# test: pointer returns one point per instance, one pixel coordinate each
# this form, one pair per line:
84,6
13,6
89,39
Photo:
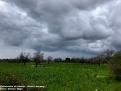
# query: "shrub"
11,79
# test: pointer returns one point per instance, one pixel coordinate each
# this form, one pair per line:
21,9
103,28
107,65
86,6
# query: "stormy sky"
60,28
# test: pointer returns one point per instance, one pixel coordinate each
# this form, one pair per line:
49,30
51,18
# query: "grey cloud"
73,26
14,25
85,26
53,11
115,24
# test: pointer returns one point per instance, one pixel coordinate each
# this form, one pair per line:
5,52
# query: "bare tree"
49,59
24,57
38,58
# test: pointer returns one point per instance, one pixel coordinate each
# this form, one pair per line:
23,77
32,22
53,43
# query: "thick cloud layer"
70,27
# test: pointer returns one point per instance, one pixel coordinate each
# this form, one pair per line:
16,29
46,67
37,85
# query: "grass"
65,77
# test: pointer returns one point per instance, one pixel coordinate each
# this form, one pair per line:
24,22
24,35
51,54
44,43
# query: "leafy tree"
108,54
67,60
115,65
58,60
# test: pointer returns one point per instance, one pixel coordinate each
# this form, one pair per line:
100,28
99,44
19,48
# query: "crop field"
65,76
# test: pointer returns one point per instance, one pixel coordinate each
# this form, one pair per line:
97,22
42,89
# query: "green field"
65,77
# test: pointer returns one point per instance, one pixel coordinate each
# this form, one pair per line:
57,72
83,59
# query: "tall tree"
49,59
38,58
24,57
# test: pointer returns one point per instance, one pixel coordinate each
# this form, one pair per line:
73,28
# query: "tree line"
109,57
38,58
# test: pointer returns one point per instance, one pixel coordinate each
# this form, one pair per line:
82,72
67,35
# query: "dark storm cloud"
10,29
72,26
54,11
